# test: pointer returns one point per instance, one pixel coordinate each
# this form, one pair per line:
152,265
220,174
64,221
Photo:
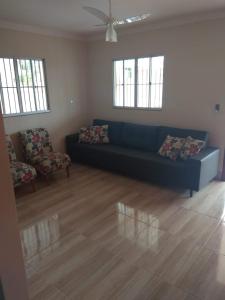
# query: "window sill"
26,114
137,108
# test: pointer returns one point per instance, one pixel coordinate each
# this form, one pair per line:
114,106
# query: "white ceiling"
68,15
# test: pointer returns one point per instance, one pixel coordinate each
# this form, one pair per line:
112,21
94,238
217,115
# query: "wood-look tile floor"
99,235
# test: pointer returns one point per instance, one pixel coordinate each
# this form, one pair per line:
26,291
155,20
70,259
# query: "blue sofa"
133,151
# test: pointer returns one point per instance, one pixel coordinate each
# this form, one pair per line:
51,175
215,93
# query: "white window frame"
136,84
45,86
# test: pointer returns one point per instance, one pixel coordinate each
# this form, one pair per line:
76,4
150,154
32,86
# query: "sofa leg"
33,186
47,179
191,193
68,172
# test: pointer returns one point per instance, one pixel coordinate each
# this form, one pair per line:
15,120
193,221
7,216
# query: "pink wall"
11,261
194,77
66,77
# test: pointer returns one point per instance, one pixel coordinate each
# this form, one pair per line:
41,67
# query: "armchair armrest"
207,161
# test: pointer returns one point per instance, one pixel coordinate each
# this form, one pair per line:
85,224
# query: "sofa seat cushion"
22,173
148,157
141,137
139,164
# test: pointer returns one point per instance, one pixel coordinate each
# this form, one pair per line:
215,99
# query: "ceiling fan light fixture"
111,35
110,21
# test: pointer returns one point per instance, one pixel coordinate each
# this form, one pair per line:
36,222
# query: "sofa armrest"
70,141
72,138
208,163
206,154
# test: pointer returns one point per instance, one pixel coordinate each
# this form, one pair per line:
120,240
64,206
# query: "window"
138,83
22,86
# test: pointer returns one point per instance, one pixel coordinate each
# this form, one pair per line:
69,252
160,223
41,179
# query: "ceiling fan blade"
133,19
97,13
101,25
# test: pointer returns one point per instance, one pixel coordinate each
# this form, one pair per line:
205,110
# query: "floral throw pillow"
94,135
171,147
191,147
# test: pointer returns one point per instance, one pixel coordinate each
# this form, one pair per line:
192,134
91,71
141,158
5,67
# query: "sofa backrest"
179,132
138,136
131,135
145,137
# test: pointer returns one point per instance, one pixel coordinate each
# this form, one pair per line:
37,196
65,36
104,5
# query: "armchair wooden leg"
33,186
68,172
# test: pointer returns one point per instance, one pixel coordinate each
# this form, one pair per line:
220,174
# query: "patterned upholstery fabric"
191,147
171,147
35,142
21,173
51,162
11,150
94,135
39,152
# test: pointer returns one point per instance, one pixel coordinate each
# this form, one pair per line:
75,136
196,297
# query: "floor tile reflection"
99,235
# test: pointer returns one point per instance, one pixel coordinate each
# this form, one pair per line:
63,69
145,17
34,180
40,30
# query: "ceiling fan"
110,22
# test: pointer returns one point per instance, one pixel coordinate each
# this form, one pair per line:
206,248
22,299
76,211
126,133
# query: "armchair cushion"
39,152
35,142
50,162
22,173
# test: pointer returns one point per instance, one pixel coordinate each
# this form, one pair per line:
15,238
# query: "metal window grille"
138,82
23,87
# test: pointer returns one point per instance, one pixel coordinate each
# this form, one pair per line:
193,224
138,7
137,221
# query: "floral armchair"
21,173
39,152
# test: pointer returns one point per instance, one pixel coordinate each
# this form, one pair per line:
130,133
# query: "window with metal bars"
23,87
138,82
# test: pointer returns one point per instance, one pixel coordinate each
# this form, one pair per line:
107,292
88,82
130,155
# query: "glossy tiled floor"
99,235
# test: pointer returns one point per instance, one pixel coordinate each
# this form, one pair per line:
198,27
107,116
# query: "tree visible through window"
138,83
22,86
